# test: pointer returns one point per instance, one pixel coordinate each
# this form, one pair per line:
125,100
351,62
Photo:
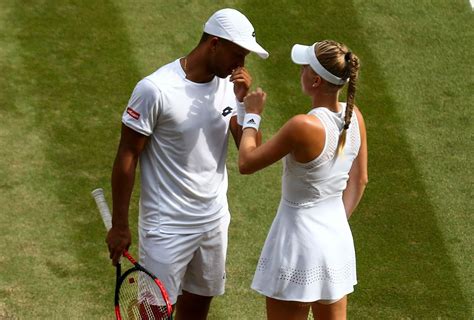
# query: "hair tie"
348,56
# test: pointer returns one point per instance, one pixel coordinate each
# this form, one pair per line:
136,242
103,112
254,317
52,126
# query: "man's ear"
213,43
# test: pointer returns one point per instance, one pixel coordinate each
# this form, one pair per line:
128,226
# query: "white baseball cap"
232,25
301,54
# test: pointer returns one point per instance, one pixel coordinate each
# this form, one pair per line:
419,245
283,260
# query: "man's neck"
195,67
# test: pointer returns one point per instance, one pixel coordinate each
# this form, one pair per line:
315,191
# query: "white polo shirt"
183,170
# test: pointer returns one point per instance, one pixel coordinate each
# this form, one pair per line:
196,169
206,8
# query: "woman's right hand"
255,101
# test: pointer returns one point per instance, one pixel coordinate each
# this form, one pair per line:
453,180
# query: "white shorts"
191,262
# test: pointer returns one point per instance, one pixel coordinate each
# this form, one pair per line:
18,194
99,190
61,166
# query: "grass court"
67,71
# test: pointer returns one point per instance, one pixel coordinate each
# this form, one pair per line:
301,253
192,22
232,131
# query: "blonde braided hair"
341,62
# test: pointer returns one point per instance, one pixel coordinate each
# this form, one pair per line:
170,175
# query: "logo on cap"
253,34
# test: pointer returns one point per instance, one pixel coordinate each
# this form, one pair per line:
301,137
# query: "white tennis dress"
309,252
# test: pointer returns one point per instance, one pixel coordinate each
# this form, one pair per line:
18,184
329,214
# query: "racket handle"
99,197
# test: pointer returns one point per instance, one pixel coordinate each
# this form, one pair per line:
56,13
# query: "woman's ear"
317,81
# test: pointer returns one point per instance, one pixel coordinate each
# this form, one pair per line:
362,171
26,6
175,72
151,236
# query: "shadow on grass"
79,74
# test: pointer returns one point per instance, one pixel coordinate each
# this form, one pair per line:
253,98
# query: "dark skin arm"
130,147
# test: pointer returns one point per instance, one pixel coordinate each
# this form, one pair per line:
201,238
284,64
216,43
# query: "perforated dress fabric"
309,251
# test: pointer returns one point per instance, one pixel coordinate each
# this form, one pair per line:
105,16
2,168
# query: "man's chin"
223,75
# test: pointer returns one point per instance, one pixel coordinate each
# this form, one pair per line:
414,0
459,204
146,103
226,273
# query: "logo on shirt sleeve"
132,113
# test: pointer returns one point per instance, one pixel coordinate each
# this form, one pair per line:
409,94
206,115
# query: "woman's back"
305,184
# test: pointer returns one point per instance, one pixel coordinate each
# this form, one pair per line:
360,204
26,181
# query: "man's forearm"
123,179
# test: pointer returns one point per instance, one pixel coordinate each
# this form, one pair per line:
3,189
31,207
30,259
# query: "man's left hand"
242,81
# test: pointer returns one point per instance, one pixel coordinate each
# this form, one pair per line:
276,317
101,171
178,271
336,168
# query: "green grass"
68,69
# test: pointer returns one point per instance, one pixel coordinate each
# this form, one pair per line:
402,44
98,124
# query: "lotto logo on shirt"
132,113
226,111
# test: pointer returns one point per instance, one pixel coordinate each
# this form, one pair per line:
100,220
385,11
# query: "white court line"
472,4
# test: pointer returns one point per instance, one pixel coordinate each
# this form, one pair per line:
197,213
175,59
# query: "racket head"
140,295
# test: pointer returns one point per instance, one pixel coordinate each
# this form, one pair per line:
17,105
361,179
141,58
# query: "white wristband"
240,112
252,120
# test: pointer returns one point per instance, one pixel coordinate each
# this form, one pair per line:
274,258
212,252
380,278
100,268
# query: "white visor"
301,54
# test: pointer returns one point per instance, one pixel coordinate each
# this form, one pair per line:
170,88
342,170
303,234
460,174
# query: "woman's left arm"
252,156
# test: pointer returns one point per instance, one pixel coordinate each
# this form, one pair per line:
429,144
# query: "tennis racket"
138,293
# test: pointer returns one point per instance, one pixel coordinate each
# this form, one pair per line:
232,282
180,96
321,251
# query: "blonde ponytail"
352,65
339,61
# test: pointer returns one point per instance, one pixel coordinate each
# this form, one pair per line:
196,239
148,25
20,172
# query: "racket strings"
140,298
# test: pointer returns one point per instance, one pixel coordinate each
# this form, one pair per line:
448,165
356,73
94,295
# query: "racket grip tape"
99,197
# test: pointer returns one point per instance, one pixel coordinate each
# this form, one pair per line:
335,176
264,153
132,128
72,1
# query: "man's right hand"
118,240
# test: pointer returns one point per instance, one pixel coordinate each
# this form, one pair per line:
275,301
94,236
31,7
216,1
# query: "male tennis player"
177,124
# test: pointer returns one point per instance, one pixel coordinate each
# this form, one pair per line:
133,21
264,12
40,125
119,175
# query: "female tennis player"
308,260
